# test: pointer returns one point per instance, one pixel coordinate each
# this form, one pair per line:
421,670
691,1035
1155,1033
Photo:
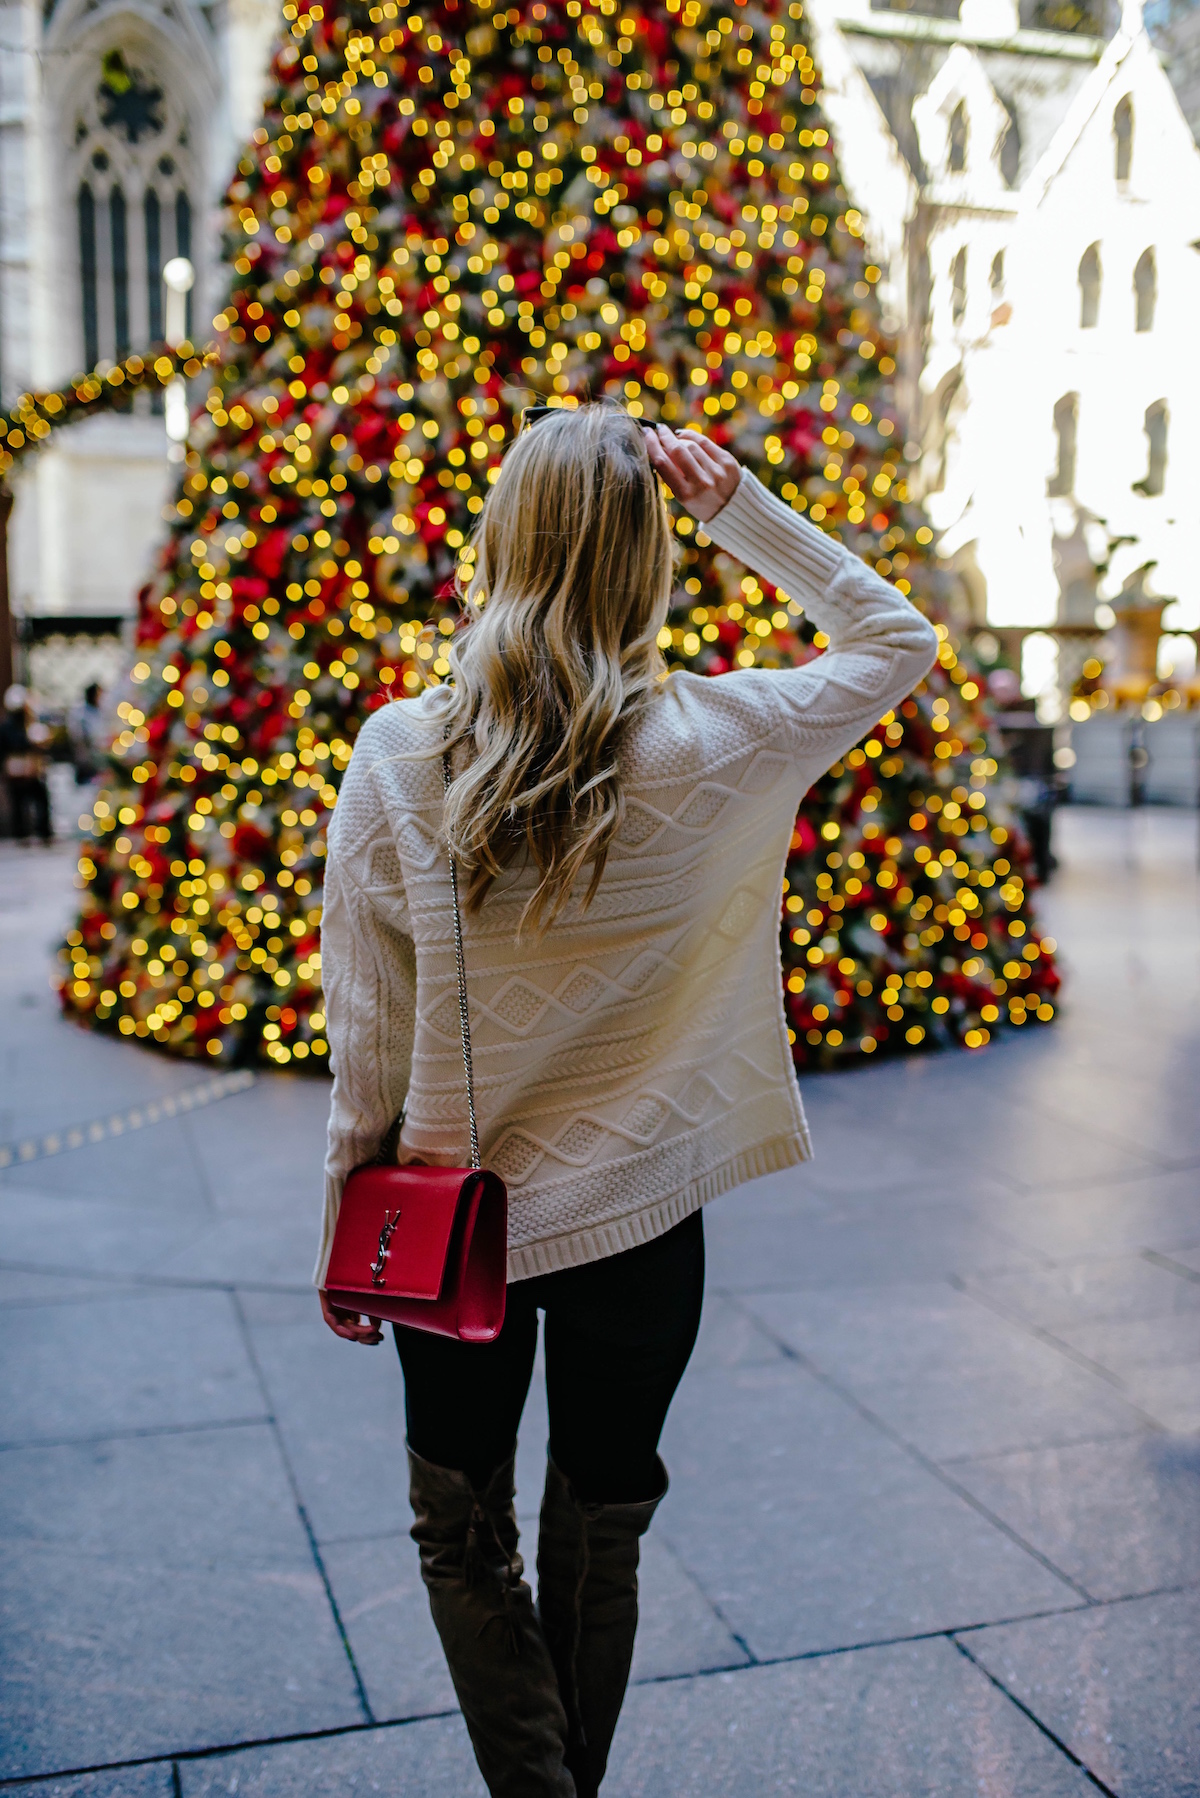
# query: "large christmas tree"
440,219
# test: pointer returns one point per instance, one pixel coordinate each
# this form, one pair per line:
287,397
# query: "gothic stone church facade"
119,122
1031,194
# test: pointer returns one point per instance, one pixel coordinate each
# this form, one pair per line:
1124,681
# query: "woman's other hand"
699,473
350,1325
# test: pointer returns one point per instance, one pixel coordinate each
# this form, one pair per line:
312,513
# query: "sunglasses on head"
533,415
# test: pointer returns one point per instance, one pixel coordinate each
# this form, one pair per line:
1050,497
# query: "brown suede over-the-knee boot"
587,1600
490,1632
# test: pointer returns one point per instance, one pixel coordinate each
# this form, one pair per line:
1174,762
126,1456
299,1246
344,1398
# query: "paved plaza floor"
934,1521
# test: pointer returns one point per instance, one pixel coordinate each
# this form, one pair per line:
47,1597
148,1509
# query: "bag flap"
394,1231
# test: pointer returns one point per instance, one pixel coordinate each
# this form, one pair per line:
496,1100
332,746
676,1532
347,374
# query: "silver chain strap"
461,966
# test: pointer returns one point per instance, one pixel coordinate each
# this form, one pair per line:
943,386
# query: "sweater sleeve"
368,967
880,646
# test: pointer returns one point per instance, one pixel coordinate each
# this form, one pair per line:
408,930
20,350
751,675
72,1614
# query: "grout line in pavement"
1156,1163
760,1662
176,1781
1171,1265
734,1635
175,1758
191,1146
302,1513
787,1283
219,1751
170,1282
1041,1334
145,1433
932,1467
117,1287
1154,1171
1097,1439
385,1536
1043,1728
156,1111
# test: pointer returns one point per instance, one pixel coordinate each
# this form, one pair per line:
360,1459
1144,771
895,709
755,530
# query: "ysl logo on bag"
385,1238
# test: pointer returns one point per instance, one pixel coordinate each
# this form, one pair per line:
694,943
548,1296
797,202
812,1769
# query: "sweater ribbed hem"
580,1246
761,531
593,1244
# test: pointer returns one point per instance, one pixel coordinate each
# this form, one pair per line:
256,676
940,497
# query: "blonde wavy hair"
570,588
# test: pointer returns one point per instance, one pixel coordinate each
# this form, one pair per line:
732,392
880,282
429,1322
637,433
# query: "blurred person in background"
89,737
23,756
1031,783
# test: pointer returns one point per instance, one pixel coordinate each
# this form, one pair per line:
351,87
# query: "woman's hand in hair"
699,473
351,1326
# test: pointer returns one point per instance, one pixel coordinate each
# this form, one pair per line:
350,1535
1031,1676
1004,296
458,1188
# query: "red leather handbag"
427,1246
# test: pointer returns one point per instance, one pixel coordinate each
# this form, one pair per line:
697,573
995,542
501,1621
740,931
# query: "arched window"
1089,287
958,138
1123,136
183,240
1066,429
1010,146
947,394
87,274
133,168
154,263
958,286
1155,426
1145,291
119,224
996,277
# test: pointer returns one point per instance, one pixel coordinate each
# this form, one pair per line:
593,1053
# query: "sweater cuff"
333,1204
761,531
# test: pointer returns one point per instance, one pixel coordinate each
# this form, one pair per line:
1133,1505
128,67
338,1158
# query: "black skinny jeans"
619,1333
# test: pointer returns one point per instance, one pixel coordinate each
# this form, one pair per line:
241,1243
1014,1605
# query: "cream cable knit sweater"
633,1062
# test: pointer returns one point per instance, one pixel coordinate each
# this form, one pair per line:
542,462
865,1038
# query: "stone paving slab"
51,1075
385,1613
1128,1345
156,1167
770,1237
729,1335
158,1593
85,1234
1067,1219
412,1760
252,1170
680,1631
340,1409
1170,1395
275,1249
991,1129
1117,1684
808,1529
1087,1083
124,1363
945,1372
21,1290
884,1723
1098,1289
130,1782
1120,1517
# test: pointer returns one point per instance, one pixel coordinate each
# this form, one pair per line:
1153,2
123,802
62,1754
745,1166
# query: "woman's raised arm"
880,646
